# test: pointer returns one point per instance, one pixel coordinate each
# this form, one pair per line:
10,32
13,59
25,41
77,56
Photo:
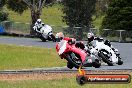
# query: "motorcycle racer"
94,42
44,31
91,37
80,45
38,25
60,36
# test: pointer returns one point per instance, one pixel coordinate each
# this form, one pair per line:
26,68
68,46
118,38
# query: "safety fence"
24,28
16,27
77,32
117,35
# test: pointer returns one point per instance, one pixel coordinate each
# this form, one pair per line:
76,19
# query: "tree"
78,13
101,7
3,15
118,15
2,3
35,7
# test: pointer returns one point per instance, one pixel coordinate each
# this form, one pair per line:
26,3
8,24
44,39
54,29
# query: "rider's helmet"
90,36
39,21
107,42
59,36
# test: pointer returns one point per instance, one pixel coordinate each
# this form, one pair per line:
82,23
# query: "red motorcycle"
75,56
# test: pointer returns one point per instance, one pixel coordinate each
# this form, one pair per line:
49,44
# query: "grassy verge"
58,83
22,57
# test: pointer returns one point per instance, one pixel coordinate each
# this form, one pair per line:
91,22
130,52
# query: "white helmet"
39,21
59,36
89,35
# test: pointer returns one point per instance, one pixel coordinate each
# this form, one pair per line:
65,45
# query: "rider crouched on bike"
91,37
38,25
81,45
60,36
88,61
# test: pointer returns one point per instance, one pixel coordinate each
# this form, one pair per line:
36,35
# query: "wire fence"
24,28
76,32
117,35
16,27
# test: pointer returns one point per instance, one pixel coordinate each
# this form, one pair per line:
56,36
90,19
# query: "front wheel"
39,35
42,38
69,65
105,57
74,59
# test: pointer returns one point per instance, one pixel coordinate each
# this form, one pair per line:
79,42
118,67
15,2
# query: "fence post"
120,35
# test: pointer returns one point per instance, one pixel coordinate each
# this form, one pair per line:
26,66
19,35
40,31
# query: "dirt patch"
35,76
52,76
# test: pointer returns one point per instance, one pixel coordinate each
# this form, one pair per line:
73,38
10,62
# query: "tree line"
117,13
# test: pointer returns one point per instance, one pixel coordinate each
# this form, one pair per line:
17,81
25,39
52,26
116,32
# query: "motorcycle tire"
96,63
105,58
70,60
69,65
53,38
120,62
42,38
39,35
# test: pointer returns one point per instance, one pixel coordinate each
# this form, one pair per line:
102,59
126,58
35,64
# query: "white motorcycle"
102,49
46,33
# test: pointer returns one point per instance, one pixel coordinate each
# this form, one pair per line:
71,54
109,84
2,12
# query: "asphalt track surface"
125,49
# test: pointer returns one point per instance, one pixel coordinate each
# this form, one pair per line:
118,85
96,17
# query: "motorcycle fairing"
62,46
100,45
45,30
78,51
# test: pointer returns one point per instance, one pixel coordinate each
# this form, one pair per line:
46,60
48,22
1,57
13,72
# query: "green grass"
51,15
60,83
21,57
